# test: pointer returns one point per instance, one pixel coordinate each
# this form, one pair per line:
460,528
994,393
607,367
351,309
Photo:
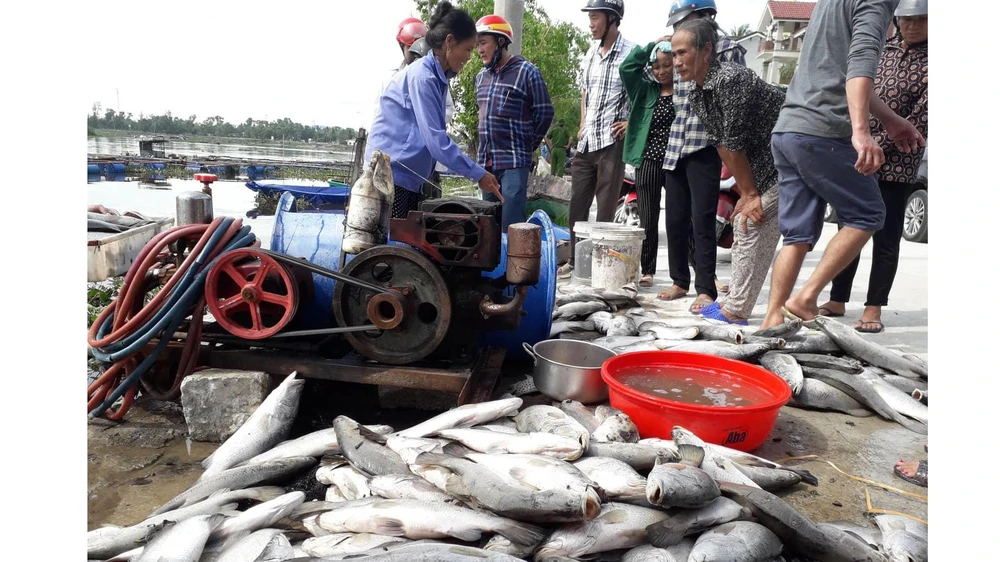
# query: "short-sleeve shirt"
659,130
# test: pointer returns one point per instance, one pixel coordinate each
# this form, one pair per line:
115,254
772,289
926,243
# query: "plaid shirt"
607,101
515,112
687,134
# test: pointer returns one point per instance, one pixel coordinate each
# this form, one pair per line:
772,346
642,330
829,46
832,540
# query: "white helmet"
909,8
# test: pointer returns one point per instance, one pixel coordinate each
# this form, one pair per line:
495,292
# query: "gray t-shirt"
844,40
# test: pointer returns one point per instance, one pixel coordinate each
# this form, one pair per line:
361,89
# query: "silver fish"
612,342
347,543
718,465
252,546
408,486
683,522
664,332
464,416
580,413
618,428
740,458
603,412
427,551
619,525
238,477
786,330
415,519
817,395
501,544
798,532
679,552
358,445
857,346
681,485
574,310
259,516
485,441
810,342
846,364
537,471
549,419
773,343
727,334
266,427
640,346
863,391
641,456
867,533
183,542
905,384
409,447
337,473
745,352
316,444
897,399
785,366
618,480
481,486
571,326
621,326
736,541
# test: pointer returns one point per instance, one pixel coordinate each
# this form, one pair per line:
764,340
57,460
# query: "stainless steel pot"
570,369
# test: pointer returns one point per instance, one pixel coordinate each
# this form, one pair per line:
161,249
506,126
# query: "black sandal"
919,479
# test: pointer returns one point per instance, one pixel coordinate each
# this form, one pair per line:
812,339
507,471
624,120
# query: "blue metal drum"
540,301
93,172
114,172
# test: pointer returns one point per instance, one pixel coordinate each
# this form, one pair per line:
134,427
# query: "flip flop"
789,315
701,303
714,306
919,479
716,314
863,330
646,281
673,293
829,312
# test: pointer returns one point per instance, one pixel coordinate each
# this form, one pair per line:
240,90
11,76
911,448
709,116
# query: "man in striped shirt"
598,168
693,171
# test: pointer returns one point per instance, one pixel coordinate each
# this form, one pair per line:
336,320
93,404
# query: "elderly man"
824,150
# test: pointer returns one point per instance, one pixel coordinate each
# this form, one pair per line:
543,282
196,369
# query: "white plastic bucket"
583,251
616,253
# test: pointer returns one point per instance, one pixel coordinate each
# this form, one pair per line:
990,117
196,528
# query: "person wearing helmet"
901,82
693,168
409,31
598,168
409,124
515,112
825,152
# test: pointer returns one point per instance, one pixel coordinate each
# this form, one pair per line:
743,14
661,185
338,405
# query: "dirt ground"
135,467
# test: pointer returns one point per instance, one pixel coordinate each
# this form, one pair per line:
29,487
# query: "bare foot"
702,301
914,472
772,319
832,308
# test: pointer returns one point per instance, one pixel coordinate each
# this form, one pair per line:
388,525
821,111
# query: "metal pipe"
524,254
489,308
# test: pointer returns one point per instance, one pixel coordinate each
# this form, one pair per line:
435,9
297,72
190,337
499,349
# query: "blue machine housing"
317,236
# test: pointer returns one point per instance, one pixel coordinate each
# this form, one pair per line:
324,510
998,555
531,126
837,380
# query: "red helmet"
410,30
496,25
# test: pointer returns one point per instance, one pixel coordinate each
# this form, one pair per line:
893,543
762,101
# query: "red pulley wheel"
251,295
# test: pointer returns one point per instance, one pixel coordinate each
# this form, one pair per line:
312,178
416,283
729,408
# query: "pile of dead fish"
829,366
489,481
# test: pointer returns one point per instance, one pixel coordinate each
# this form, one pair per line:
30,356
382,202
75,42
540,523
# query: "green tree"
739,30
553,47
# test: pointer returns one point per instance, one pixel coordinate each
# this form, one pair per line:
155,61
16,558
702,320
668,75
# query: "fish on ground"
426,551
316,444
820,361
898,400
681,484
266,427
574,310
612,342
744,541
620,525
485,441
863,391
347,543
464,416
785,366
640,456
618,480
728,334
363,449
538,471
817,395
685,522
580,413
501,544
181,542
571,326
679,552
259,516
618,427
340,475
787,329
855,345
542,418
742,352
810,342
255,546
408,486
662,331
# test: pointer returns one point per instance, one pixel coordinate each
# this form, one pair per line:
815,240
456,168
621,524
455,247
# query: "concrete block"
216,402
390,397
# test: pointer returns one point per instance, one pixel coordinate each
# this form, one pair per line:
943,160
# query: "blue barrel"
114,172
93,173
540,301
317,237
193,167
255,173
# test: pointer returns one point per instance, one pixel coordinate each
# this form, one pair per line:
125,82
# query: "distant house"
783,26
751,42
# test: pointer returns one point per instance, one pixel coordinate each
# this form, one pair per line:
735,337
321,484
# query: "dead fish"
571,326
773,343
786,330
181,542
664,332
484,441
867,533
812,343
619,481
549,419
605,411
503,545
681,484
639,346
465,416
721,333
573,310
617,428
898,400
888,522
582,296
408,486
817,395
641,456
619,525
863,391
498,428
679,552
683,522
905,384
580,413
621,326
364,449
857,346
346,543
745,352
538,472
736,541
612,342
260,516
846,364
715,463
740,459
785,366
799,533
685,321
639,313
260,546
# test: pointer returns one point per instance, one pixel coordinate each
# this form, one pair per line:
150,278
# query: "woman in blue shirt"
409,124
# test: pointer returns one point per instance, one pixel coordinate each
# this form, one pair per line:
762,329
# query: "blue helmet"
681,8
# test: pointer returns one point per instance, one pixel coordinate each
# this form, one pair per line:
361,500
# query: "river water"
120,146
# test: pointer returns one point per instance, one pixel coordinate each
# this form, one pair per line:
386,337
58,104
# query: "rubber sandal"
715,313
863,330
714,306
701,303
828,312
646,281
565,271
673,293
919,479
721,287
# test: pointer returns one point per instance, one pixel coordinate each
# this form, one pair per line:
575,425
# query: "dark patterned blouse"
901,82
738,110
659,129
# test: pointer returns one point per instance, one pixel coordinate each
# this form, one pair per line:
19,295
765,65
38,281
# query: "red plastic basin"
738,427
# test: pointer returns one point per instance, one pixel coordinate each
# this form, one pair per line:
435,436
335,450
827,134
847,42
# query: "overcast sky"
314,62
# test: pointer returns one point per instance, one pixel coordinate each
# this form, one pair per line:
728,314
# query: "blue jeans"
514,186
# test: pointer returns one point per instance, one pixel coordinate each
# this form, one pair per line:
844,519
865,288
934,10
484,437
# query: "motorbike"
627,212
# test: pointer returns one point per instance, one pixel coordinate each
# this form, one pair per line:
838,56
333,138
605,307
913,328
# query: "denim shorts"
814,171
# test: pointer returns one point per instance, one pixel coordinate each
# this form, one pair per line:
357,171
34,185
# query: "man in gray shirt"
824,152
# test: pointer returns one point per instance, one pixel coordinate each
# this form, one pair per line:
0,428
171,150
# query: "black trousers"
649,182
595,175
885,252
692,200
404,201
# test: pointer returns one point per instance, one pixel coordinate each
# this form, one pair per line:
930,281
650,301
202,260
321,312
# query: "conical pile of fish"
495,482
829,366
